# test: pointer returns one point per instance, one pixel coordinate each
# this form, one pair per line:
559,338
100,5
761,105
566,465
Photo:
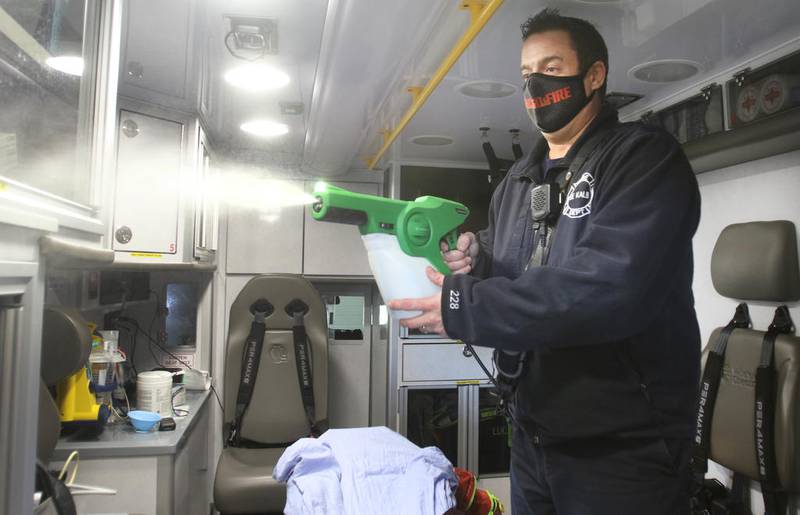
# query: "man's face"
550,53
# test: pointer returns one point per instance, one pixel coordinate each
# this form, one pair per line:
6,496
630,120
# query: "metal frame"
481,12
23,294
104,141
465,400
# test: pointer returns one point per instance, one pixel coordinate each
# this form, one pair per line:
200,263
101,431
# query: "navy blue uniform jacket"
608,322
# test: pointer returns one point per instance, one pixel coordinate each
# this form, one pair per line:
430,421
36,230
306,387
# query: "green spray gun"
419,226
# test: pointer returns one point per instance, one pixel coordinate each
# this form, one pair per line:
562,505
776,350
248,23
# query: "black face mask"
552,102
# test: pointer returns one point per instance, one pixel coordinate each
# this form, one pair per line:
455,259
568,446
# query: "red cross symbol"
773,94
749,103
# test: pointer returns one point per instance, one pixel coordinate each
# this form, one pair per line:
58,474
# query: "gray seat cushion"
757,261
732,440
244,481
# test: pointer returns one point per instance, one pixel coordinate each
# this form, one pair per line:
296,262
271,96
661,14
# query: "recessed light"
256,77
665,70
69,64
264,128
432,140
486,89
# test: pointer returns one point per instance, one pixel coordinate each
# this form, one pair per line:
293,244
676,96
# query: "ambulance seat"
757,261
66,344
275,417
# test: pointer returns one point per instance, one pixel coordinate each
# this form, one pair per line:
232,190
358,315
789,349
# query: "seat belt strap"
297,309
709,386
544,231
251,358
510,364
764,431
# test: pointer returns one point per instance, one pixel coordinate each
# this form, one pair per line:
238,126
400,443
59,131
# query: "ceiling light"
69,64
486,89
665,70
432,140
256,77
264,128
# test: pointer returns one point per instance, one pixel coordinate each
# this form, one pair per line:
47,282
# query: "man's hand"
460,260
430,321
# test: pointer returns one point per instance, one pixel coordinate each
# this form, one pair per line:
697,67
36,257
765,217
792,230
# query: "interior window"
346,317
43,135
181,320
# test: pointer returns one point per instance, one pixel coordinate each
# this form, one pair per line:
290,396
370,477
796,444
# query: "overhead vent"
665,70
620,100
432,140
251,38
486,89
291,108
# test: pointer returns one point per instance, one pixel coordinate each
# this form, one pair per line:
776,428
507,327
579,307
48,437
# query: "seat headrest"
66,344
757,261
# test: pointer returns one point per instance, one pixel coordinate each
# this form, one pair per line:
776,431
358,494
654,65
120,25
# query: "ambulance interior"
158,166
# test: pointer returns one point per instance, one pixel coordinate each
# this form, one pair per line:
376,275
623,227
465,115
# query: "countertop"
121,440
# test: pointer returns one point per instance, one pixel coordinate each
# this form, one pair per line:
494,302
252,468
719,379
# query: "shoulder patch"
579,197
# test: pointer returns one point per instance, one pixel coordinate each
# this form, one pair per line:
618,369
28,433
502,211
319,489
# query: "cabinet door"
335,249
262,242
157,62
148,188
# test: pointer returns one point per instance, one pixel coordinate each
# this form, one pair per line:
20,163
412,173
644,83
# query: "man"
596,294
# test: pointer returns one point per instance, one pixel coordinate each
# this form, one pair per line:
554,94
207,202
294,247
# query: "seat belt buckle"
233,437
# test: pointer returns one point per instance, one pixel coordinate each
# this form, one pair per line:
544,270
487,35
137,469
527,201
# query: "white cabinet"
159,58
335,249
148,186
161,211
265,242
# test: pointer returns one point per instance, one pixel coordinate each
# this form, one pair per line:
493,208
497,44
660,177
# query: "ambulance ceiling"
351,60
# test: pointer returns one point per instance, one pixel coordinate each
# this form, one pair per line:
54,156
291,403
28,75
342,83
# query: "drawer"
442,362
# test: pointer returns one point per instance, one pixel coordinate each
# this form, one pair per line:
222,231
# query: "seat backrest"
757,262
275,413
66,344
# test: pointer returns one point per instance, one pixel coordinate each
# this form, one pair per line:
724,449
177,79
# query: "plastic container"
143,421
399,276
110,341
154,392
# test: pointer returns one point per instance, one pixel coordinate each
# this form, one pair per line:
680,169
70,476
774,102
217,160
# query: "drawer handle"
466,352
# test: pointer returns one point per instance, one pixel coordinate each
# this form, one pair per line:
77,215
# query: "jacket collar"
530,166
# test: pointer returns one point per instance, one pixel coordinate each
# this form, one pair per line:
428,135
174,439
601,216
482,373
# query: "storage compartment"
265,240
494,436
765,92
149,188
433,419
442,362
693,118
158,64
